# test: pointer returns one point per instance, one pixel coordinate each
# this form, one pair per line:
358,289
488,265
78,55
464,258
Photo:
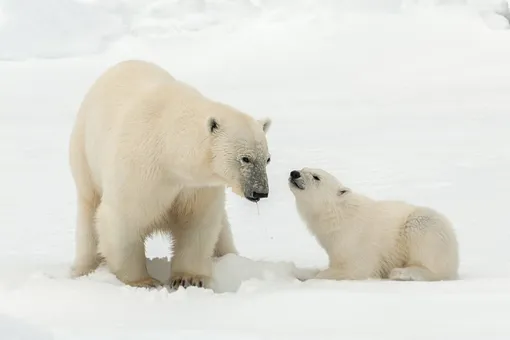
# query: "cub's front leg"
331,274
351,269
336,273
349,260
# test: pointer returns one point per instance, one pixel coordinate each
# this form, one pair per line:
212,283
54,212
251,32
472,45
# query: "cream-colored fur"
365,238
150,153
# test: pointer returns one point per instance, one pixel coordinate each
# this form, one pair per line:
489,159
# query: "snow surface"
401,100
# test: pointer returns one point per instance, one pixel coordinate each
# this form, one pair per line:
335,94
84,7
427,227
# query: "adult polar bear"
366,238
150,153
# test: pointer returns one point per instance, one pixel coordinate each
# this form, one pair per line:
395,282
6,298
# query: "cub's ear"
343,191
213,125
266,124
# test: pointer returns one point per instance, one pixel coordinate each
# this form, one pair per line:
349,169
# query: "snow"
403,99
14,329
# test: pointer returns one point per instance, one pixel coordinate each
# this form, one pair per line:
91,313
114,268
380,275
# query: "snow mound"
68,28
166,18
497,16
55,28
231,273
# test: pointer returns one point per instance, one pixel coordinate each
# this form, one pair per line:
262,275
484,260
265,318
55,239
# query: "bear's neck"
190,159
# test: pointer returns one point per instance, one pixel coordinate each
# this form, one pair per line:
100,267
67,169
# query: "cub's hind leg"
432,248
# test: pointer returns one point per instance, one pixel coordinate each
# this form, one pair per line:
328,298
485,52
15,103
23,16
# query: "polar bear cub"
365,238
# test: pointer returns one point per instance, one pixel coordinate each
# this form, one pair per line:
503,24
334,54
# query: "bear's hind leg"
432,248
123,247
86,258
225,244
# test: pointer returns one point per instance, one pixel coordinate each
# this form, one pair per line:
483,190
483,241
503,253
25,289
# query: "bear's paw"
186,280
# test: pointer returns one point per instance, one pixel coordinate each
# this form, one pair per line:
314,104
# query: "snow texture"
65,28
400,100
14,329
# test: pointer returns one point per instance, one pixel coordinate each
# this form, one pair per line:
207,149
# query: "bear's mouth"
253,199
296,183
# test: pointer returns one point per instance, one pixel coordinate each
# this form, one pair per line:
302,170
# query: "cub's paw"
405,274
304,274
331,274
186,280
148,282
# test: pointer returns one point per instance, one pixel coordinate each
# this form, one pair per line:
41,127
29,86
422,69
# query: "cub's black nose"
294,174
260,194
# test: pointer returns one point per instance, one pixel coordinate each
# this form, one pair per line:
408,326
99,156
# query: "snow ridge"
67,28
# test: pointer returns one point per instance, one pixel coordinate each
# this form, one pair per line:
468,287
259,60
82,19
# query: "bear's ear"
266,124
343,191
212,125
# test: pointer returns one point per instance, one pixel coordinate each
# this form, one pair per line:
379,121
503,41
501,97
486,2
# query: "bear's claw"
186,280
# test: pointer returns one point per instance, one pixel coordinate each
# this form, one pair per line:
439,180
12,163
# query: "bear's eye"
315,177
269,160
245,160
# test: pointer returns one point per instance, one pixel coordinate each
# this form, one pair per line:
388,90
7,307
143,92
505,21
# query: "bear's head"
240,154
316,187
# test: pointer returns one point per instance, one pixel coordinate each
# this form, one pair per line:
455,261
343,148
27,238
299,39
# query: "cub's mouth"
296,183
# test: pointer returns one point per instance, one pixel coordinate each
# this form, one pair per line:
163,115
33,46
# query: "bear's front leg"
191,263
195,235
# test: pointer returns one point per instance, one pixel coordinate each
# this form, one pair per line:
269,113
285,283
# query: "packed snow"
400,99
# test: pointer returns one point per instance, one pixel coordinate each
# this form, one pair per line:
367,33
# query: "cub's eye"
245,160
315,177
269,160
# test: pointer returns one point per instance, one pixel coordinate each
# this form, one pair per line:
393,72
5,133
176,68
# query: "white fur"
365,238
145,158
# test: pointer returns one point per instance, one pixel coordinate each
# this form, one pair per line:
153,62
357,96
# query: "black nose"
294,174
260,194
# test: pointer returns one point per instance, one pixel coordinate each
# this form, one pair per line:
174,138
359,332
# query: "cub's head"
316,186
240,154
